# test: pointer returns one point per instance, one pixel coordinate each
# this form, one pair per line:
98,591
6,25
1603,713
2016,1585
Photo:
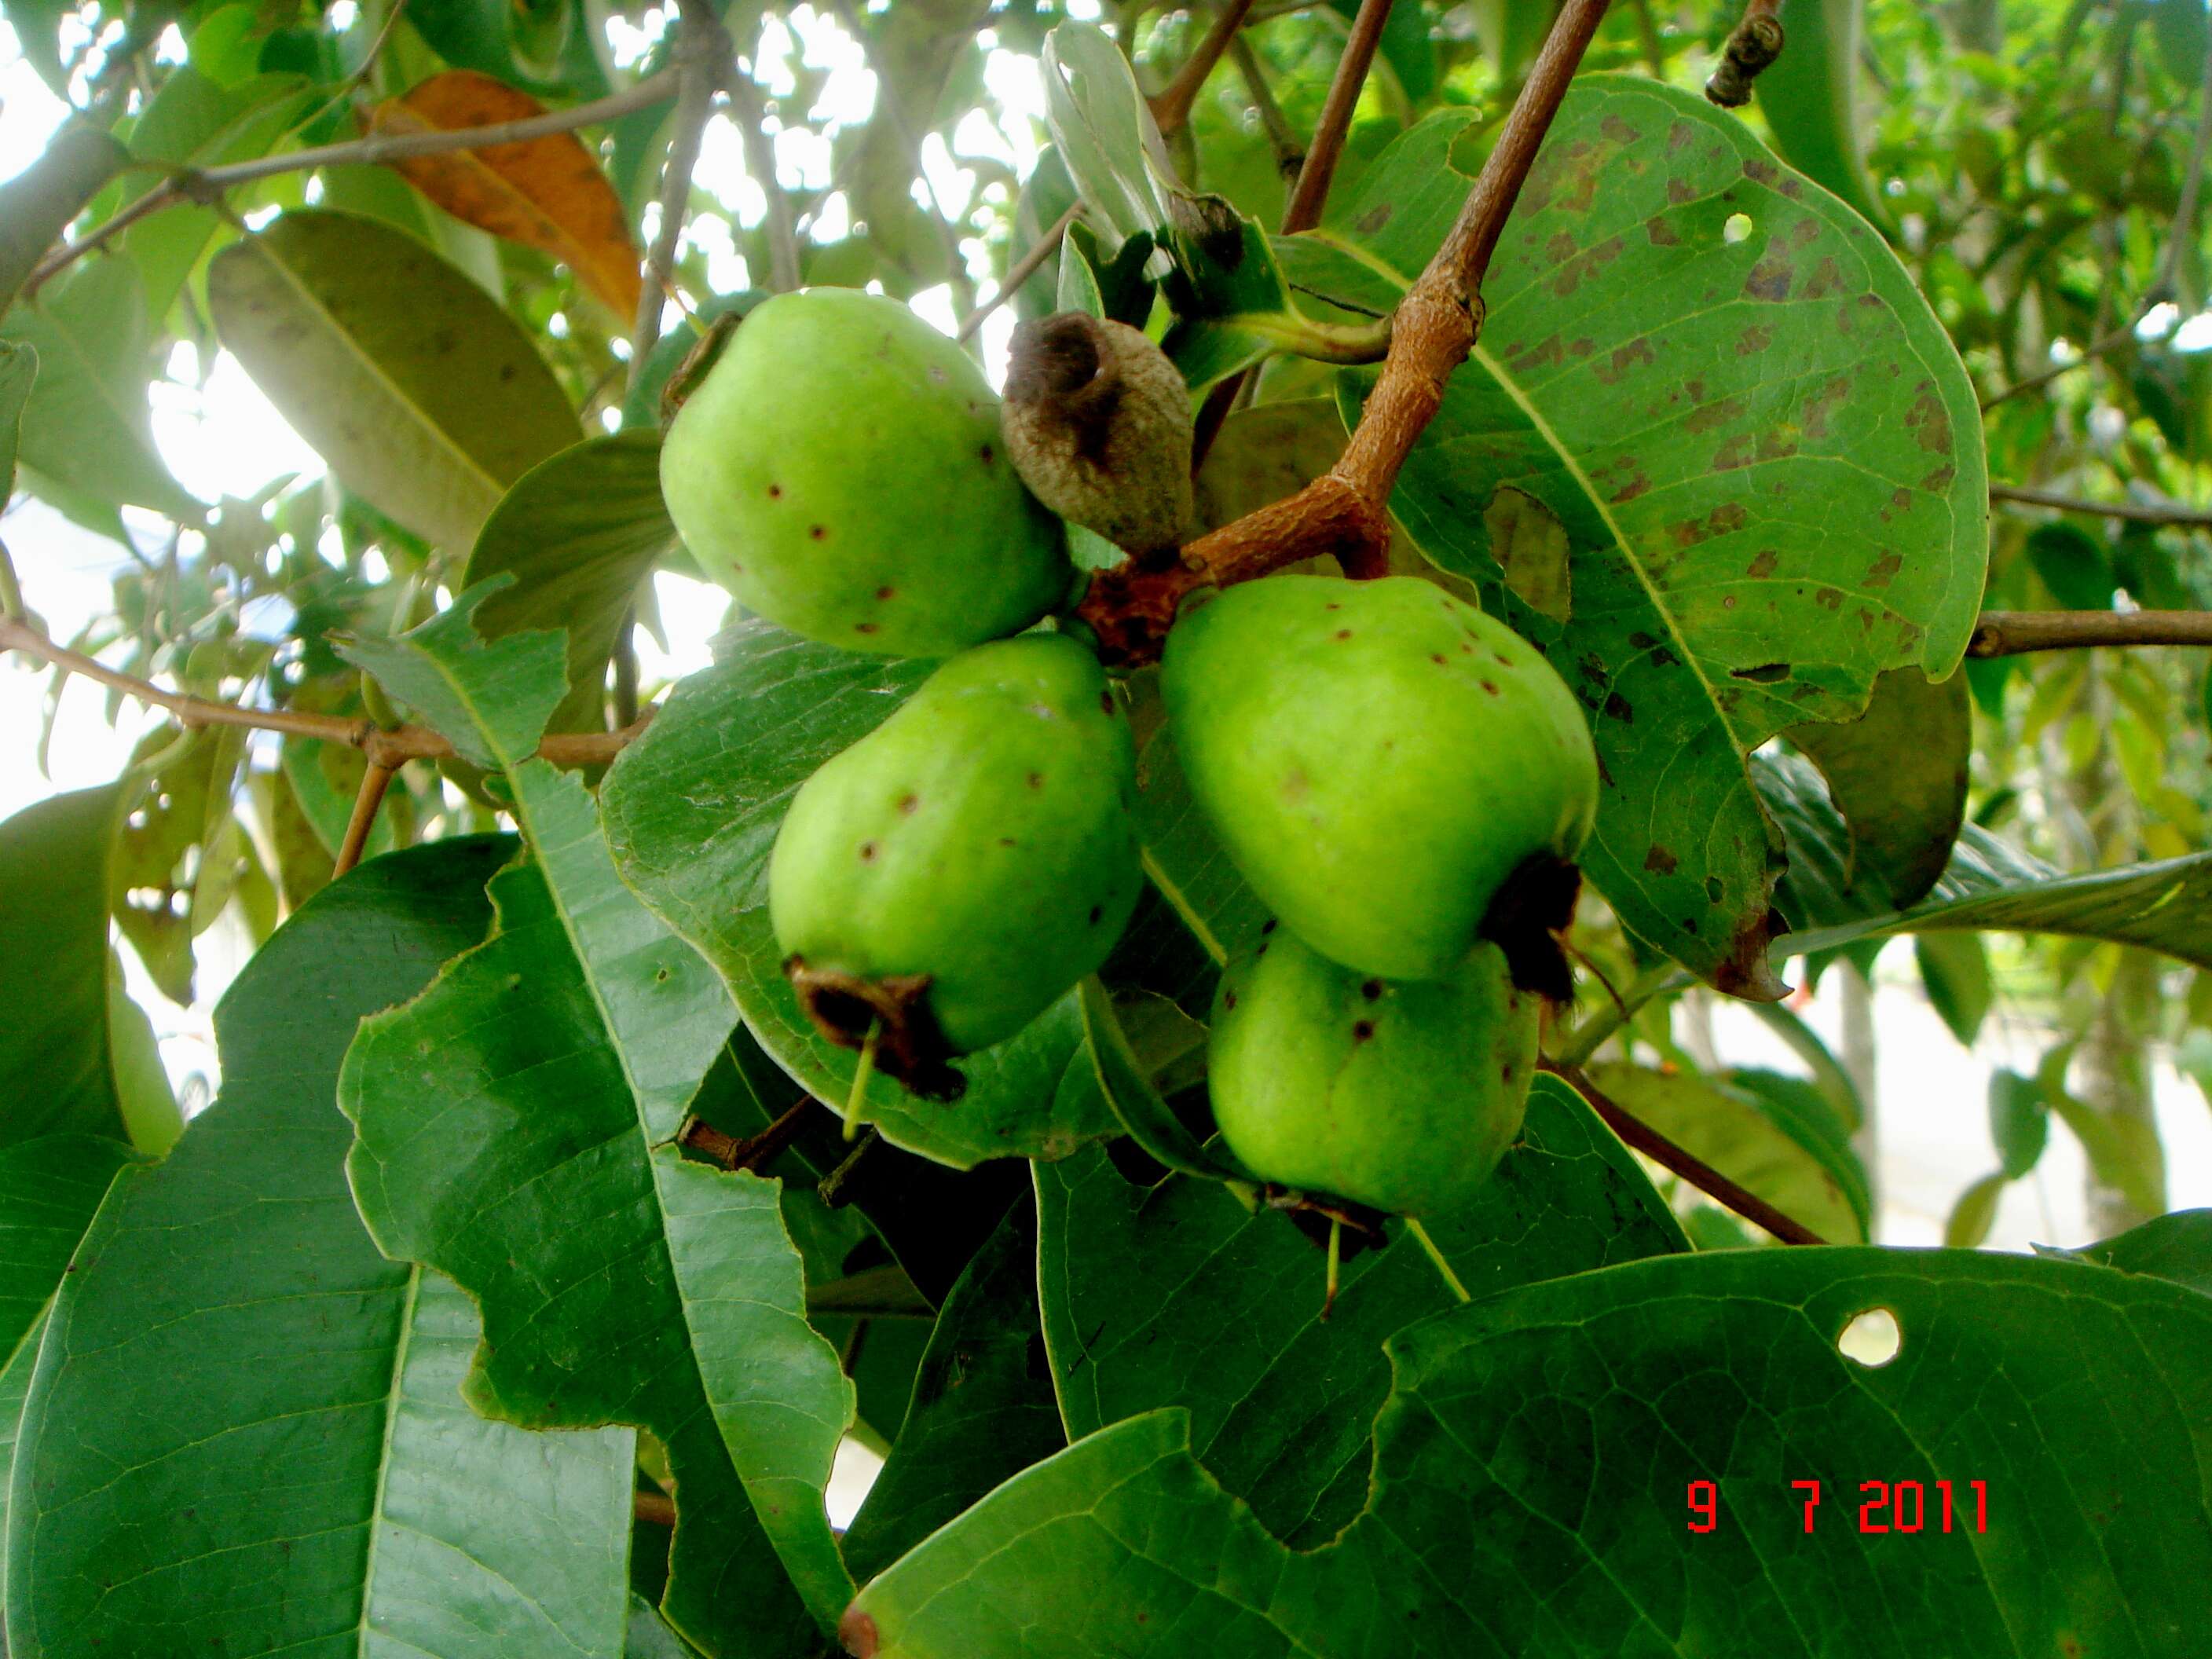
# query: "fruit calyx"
845,1008
1528,920
696,362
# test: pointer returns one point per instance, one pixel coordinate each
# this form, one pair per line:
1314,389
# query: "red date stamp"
1887,1505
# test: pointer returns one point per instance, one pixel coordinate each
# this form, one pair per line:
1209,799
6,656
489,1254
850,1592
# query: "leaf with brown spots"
546,193
1760,447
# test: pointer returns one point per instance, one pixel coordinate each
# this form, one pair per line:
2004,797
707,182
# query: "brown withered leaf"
548,193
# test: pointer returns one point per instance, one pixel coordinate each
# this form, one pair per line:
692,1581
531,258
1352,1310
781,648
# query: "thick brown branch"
754,1152
2161,513
387,748
1755,43
1171,104
1665,1153
2015,633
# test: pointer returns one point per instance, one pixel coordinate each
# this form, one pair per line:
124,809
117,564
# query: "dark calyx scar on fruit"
950,876
1099,421
890,519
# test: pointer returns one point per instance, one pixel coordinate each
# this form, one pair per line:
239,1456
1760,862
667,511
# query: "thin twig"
384,748
2172,513
1019,273
1695,1170
760,162
1310,193
2096,348
1171,104
373,782
2016,633
1345,512
1282,138
1755,43
704,60
204,184
752,1152
655,1509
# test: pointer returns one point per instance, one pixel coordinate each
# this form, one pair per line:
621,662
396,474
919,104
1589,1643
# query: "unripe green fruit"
1400,1094
981,837
840,470
1378,758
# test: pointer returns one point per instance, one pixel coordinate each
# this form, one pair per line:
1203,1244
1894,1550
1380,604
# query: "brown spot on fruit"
1490,686
1344,633
1266,927
1362,1030
864,627
867,852
1106,703
907,803
816,531
1229,999
856,1630
1371,989
987,454
1098,912
1036,780
885,592
775,492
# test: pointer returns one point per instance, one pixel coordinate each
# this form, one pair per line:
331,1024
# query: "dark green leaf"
1954,971
1179,1294
494,708
39,203
2075,566
2020,1121
1794,377
2176,1247
1534,1479
982,1409
692,808
580,533
1126,1085
409,379
233,1355
18,368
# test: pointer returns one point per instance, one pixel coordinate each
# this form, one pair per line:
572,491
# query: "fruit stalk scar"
892,1012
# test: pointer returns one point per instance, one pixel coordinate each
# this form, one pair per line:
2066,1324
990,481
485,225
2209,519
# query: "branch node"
1755,45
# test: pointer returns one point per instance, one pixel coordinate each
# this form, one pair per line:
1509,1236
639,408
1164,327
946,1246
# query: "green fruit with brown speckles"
1399,1094
982,837
840,470
1379,759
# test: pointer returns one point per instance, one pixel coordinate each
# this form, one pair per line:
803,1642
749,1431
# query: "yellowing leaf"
547,193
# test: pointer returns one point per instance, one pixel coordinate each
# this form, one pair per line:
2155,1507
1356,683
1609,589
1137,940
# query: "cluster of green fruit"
1403,780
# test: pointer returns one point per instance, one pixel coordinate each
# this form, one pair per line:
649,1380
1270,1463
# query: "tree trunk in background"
1856,999
2112,1079
1693,1029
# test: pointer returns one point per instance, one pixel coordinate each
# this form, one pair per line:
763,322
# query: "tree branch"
1171,104
373,782
1290,154
1345,512
754,1152
703,62
2016,633
760,162
1664,1153
1019,273
388,749
1310,193
1753,44
2172,514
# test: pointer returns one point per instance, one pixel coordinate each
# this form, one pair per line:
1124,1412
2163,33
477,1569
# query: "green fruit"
981,837
840,470
1378,758
1400,1094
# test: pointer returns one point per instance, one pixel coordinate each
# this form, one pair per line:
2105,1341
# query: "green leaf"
195,121
982,1409
2075,566
19,369
62,1045
1810,1177
87,434
1971,1217
2177,1247
1988,887
1954,971
583,1023
1809,96
492,699
39,203
1183,856
580,533
233,1355
692,809
1105,135
2020,1121
1764,452
1897,776
1178,1294
419,390
1533,1471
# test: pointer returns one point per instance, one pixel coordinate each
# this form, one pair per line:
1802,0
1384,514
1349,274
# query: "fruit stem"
1421,1237
862,1073
1335,1261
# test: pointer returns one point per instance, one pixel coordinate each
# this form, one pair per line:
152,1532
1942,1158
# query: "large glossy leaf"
245,1433
1534,1485
67,1043
545,1078
88,443
1746,1134
421,392
1179,1294
1988,887
580,532
692,808
1759,446
982,1409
